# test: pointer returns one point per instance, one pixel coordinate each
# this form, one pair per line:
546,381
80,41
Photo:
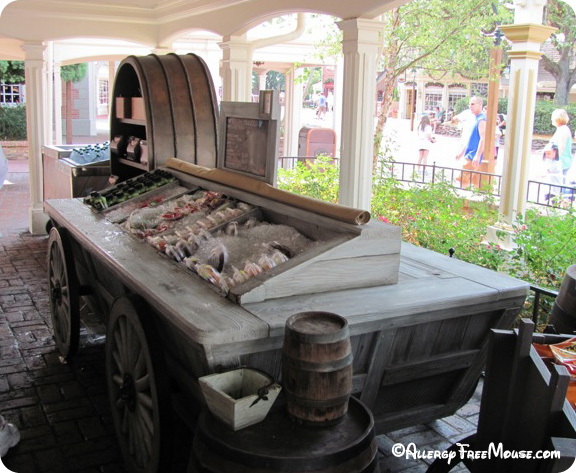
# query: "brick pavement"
62,409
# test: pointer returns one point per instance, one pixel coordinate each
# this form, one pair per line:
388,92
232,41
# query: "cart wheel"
63,292
138,387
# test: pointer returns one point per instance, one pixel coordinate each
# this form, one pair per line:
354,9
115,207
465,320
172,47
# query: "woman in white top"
562,138
425,139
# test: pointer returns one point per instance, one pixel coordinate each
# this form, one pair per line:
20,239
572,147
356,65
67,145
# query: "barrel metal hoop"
319,338
307,402
325,367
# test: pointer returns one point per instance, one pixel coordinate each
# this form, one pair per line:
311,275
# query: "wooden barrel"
563,315
317,367
279,445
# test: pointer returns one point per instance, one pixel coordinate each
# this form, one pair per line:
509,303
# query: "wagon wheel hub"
56,293
128,392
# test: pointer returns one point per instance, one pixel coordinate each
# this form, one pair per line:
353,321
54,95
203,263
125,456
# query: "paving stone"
20,463
32,416
92,428
51,460
50,393
68,432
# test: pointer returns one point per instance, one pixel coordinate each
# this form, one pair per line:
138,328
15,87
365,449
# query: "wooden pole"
488,161
413,107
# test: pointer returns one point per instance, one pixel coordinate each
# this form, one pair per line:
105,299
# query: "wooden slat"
401,373
175,293
410,303
495,280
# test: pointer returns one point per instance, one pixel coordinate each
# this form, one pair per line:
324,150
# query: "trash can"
314,141
74,170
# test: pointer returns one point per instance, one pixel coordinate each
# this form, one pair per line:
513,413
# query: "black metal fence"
538,192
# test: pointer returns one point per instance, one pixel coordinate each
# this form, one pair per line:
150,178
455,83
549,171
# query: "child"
554,166
425,138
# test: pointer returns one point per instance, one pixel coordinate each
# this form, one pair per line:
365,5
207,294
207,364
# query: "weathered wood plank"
401,373
411,302
326,275
500,282
175,293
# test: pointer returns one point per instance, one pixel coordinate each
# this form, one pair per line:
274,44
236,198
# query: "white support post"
338,102
293,108
37,122
236,71
360,45
57,85
49,97
525,55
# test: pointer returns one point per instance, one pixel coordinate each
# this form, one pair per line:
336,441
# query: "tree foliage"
12,72
560,60
74,72
443,38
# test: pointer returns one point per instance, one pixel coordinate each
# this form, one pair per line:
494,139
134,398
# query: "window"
454,96
103,92
11,94
432,100
480,89
455,93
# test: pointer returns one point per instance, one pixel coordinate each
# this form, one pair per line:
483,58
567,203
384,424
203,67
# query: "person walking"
321,106
474,149
562,138
425,139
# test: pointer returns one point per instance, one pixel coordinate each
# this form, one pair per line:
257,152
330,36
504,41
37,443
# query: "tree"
442,37
71,74
560,15
12,72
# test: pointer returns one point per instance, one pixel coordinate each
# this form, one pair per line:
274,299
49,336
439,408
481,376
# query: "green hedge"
542,122
13,123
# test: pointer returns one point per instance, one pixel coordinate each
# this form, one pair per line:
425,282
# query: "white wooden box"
230,396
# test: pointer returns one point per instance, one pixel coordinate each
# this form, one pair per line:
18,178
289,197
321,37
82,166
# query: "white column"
261,73
57,85
292,119
338,101
49,97
236,71
360,45
36,122
525,55
111,79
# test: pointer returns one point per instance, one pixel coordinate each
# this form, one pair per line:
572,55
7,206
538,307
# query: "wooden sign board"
249,134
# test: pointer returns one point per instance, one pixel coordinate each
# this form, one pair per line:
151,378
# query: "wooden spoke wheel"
63,292
138,387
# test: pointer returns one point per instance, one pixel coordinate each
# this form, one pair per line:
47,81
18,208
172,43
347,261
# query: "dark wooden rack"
180,108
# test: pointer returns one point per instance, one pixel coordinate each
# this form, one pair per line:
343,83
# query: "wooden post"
488,161
413,105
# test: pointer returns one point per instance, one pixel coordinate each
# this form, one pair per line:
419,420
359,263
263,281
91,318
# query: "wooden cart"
418,320
419,345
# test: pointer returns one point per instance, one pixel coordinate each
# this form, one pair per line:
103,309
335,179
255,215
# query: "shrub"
317,179
542,116
13,123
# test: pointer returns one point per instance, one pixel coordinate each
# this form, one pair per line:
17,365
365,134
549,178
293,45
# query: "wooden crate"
233,396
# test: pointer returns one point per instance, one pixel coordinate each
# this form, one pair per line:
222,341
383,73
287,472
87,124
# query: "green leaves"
12,72
73,72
